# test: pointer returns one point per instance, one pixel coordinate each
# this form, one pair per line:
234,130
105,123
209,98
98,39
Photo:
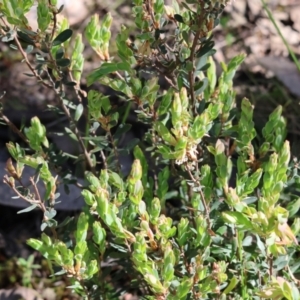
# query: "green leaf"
184,288
183,231
78,112
105,69
71,134
35,244
293,207
165,133
233,282
82,226
165,102
91,269
62,37
234,217
116,180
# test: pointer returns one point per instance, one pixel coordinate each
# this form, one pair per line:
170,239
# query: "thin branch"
54,21
13,127
198,184
24,55
192,72
104,159
115,150
192,55
30,201
36,190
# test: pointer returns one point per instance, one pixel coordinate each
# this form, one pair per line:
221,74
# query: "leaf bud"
136,172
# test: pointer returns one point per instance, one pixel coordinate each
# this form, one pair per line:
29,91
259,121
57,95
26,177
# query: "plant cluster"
230,237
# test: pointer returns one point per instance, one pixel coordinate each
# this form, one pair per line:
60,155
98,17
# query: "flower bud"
11,169
136,172
136,192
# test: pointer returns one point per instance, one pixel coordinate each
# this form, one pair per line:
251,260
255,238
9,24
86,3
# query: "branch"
13,127
198,184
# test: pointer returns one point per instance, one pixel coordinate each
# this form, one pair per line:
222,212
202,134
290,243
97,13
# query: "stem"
115,150
13,127
198,184
192,72
54,22
104,159
24,55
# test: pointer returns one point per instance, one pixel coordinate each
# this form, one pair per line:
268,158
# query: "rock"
19,293
284,69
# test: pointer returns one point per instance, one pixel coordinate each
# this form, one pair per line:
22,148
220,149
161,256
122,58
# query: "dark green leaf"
25,38
62,37
60,53
123,128
64,62
131,144
105,69
206,49
178,18
60,9
70,83
28,74
201,86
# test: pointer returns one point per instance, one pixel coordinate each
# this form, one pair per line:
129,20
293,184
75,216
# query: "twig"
169,80
192,55
24,55
36,190
13,127
77,133
198,183
192,72
54,21
149,7
104,159
115,150
31,201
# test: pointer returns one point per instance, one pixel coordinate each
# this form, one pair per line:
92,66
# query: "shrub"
199,215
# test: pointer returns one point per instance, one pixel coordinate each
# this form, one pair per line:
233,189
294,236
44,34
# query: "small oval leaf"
64,62
78,112
60,53
178,18
62,37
